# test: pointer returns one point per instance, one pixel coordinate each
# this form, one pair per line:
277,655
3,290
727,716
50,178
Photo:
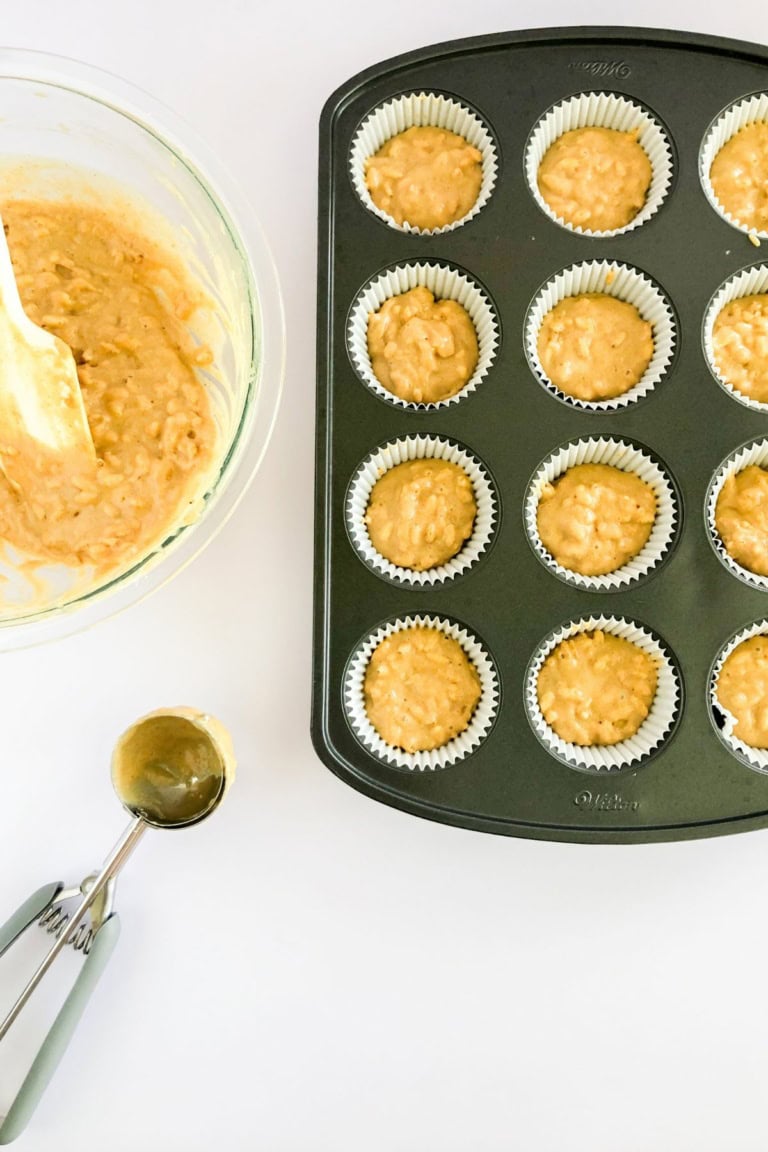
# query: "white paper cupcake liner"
756,452
421,110
445,283
420,448
750,282
656,728
630,458
755,757
602,110
461,745
625,283
725,126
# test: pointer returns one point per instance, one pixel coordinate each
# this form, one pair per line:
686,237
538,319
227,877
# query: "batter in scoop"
122,306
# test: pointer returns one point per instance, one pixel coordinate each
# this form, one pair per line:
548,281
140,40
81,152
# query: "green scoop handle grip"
60,1033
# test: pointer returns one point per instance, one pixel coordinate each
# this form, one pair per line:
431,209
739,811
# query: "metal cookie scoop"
170,770
42,415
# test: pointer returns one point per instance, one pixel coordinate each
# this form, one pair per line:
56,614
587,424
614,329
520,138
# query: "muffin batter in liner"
421,109
444,283
457,748
725,126
420,448
611,279
630,458
755,452
749,282
655,729
602,110
756,757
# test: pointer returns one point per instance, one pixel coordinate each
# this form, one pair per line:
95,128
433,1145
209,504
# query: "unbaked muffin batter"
741,518
421,349
426,177
420,513
594,518
740,343
121,305
739,176
596,688
420,689
595,178
594,346
742,690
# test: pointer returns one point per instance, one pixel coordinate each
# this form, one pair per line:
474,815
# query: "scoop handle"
30,910
60,1033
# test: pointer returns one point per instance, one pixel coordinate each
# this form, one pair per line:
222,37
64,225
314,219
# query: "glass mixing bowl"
63,123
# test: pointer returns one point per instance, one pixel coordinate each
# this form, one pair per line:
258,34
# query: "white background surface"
310,971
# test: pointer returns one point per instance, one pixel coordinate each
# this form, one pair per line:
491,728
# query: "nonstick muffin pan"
686,602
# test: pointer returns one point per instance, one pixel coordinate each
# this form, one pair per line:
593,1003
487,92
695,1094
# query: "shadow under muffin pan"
507,600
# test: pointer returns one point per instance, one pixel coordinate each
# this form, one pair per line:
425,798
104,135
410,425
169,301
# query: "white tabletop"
311,971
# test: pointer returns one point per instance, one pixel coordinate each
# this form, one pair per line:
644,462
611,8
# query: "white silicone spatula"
42,414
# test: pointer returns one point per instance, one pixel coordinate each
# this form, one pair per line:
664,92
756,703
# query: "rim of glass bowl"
267,356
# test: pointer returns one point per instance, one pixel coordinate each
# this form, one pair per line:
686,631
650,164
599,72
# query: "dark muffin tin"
694,785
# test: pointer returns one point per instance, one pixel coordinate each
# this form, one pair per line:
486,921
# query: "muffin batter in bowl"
426,177
740,344
420,689
594,346
742,690
739,176
595,178
122,305
421,513
596,688
741,518
421,349
595,518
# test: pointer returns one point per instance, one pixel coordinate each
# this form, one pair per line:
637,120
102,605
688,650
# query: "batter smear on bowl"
122,305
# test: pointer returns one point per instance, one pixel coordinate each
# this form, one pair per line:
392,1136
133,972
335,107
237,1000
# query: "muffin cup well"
625,283
756,757
420,448
652,733
747,111
602,110
629,457
749,282
457,748
445,283
421,110
755,452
